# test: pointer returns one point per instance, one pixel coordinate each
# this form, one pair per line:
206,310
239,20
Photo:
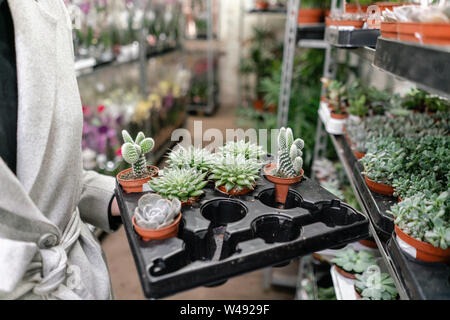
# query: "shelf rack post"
290,36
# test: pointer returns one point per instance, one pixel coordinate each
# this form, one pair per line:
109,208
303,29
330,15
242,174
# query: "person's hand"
115,208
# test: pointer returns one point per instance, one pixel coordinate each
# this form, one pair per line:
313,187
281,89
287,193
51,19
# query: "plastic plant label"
373,17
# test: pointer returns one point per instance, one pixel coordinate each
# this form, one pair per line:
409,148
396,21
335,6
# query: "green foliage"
353,261
247,149
289,162
358,106
181,183
133,152
373,285
235,171
425,217
200,159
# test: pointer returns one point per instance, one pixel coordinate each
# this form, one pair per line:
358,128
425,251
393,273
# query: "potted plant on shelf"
156,218
373,285
234,174
422,225
261,5
336,99
133,152
191,157
247,149
288,169
186,184
311,11
349,262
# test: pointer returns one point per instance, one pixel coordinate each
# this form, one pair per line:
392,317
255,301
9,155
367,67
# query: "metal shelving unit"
428,68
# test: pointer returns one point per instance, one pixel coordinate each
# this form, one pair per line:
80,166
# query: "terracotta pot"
235,191
272,108
258,105
389,30
281,184
358,154
436,33
399,199
339,116
353,8
310,16
379,187
369,243
424,251
347,138
134,186
158,234
261,5
344,273
383,5
355,23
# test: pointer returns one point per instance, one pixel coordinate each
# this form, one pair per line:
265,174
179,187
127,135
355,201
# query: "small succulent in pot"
288,169
186,184
374,285
235,174
247,149
157,218
196,158
350,262
133,152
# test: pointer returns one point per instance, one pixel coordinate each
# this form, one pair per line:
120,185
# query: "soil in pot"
379,187
424,251
131,184
258,105
189,202
358,155
158,234
281,184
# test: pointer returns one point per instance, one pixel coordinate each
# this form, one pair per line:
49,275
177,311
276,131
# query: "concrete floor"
124,277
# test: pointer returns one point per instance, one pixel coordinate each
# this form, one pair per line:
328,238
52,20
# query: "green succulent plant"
133,151
358,106
235,171
336,93
425,217
181,183
200,159
289,162
352,261
248,149
373,285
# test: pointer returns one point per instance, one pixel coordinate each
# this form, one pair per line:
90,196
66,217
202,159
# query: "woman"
46,249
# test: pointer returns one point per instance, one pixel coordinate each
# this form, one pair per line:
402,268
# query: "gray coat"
46,250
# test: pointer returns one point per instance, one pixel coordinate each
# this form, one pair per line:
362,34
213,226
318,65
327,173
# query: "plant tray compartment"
422,280
375,203
428,66
221,236
352,38
311,31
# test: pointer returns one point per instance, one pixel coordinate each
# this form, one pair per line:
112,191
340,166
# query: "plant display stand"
221,237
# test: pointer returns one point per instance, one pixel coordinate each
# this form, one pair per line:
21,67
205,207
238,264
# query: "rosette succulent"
200,159
352,261
181,183
133,151
374,285
154,212
247,149
233,171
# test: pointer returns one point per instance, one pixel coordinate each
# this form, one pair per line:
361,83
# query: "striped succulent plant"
247,149
133,151
200,159
290,162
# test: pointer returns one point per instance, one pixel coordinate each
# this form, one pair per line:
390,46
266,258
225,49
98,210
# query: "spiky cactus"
133,151
290,153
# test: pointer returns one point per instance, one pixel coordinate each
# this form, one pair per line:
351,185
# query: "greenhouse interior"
225,150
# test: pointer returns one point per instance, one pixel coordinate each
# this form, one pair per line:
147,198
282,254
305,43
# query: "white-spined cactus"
133,151
290,162
154,212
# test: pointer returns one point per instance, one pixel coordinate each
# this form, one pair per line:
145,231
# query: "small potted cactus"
133,152
288,169
156,218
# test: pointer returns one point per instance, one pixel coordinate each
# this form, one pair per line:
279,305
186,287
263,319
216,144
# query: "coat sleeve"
96,195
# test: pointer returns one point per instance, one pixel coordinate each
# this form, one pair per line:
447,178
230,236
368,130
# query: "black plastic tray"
352,38
311,31
221,237
422,280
